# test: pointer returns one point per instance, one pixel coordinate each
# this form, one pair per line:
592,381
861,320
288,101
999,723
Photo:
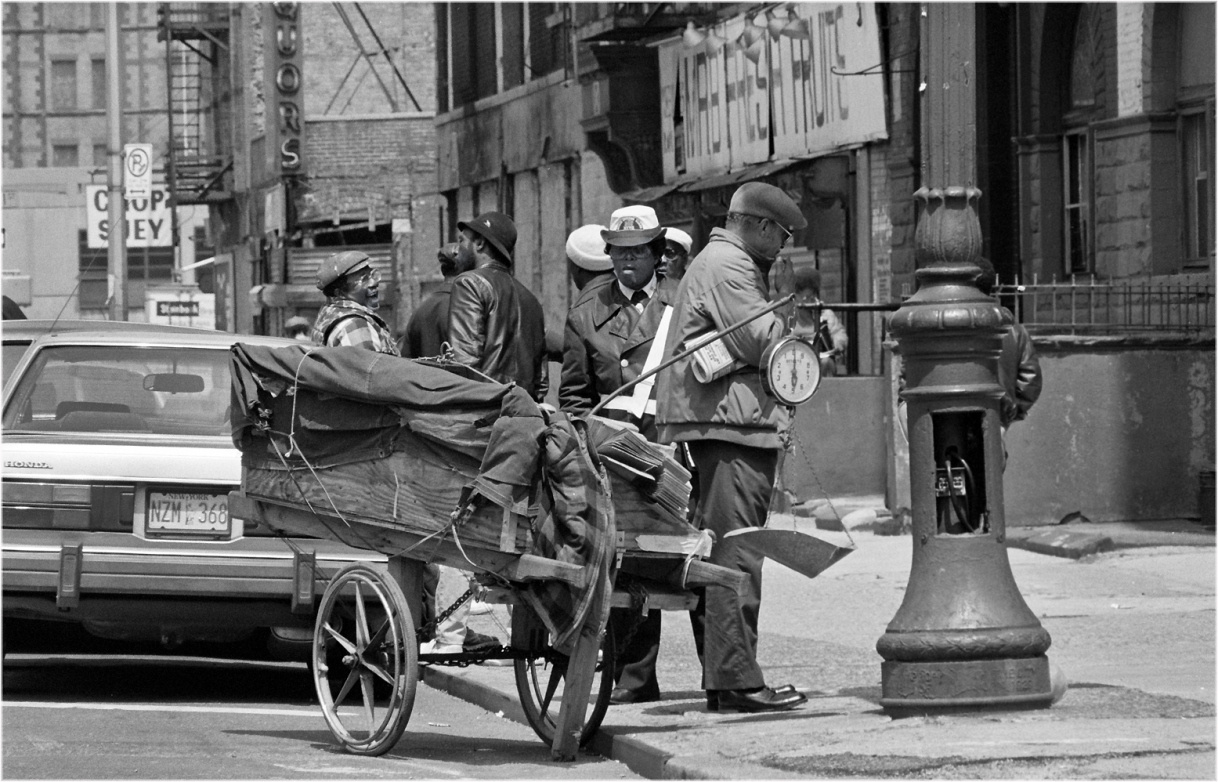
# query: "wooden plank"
373,535
581,670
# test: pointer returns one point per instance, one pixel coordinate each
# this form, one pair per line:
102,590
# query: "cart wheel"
365,660
541,678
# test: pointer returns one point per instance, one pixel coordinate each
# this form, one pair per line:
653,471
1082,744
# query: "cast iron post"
963,637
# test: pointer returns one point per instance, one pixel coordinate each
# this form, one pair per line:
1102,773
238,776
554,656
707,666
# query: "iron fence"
1112,308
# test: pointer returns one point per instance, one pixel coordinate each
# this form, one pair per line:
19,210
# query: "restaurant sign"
720,109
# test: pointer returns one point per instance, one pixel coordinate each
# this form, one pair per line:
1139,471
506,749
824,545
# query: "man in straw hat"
733,430
615,333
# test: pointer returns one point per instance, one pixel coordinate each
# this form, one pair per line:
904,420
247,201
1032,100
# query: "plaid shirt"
344,323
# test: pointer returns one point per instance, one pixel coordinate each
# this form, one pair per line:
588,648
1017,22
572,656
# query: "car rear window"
124,389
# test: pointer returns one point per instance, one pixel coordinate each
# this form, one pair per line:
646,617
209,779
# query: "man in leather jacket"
485,309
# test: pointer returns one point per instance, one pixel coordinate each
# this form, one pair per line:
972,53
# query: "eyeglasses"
371,277
786,234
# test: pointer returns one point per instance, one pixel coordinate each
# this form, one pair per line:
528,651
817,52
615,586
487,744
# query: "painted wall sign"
732,108
148,219
288,60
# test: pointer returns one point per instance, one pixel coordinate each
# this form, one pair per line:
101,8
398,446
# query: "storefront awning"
739,177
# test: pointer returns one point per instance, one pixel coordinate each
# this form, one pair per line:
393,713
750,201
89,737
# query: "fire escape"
196,47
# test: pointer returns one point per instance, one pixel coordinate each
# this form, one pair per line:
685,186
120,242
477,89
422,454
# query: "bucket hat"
497,228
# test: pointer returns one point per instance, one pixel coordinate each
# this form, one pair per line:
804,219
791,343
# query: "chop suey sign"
148,220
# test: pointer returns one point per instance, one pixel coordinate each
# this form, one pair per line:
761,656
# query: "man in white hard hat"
678,245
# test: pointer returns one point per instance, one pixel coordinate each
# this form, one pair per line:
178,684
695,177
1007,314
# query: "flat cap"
340,265
586,249
763,200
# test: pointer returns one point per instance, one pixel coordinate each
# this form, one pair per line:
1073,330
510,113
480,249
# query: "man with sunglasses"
352,289
733,430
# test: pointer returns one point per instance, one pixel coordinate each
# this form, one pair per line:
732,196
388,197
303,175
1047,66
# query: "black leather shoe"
621,696
712,696
760,700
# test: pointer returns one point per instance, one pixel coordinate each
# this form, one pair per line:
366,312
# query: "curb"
1063,543
641,758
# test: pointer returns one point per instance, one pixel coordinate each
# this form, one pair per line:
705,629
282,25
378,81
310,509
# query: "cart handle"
706,340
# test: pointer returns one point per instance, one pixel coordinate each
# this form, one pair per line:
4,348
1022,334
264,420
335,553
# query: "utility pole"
114,119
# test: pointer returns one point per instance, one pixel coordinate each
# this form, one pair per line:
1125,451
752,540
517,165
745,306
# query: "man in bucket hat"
733,430
486,328
615,333
352,289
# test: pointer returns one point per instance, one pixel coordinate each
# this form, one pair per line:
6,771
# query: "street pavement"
1133,629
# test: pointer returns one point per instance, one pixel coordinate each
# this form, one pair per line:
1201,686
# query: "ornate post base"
919,687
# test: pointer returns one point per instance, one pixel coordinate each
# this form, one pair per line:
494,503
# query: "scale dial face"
791,371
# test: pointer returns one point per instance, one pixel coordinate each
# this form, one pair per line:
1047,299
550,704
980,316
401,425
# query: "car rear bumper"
76,576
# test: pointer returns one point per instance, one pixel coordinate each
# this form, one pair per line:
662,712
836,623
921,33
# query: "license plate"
187,514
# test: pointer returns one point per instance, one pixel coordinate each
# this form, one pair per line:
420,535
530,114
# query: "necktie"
639,298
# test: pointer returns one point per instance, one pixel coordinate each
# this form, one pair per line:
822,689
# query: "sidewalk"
1132,629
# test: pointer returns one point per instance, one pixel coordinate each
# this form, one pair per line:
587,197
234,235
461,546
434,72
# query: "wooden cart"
411,503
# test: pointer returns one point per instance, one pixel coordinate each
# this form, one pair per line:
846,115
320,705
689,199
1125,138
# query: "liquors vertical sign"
286,59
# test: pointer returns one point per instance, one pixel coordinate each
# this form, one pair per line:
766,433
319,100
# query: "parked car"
117,466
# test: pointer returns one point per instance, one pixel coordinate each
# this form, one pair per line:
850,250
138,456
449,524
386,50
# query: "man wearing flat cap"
733,430
352,288
427,329
492,327
615,333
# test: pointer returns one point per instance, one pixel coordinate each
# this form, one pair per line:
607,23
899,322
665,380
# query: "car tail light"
79,506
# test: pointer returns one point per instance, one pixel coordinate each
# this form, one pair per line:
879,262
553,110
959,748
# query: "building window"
63,85
1078,202
145,265
99,154
65,156
99,85
1196,137
1077,150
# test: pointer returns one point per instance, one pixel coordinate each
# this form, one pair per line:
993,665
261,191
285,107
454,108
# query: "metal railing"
1112,308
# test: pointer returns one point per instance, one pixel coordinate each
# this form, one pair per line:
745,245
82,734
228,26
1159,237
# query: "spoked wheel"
541,678
365,660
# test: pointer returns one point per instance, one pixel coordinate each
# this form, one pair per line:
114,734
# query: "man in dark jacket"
614,334
427,329
484,315
733,430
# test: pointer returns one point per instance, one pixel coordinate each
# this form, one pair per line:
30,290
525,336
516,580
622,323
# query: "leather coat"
722,286
605,346
484,324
